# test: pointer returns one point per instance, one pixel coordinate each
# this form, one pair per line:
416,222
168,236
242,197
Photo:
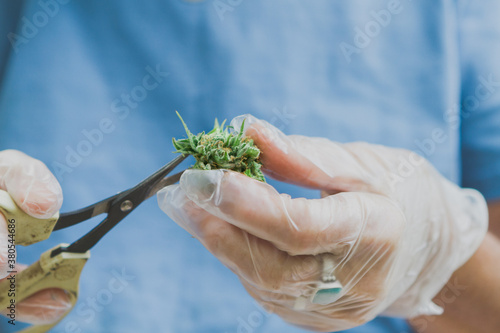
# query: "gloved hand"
389,227
37,192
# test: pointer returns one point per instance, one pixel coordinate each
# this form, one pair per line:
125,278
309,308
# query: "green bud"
220,149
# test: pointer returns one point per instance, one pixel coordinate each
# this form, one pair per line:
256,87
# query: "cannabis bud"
221,149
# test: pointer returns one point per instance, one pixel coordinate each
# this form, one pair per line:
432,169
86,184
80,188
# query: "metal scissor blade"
71,218
154,181
164,182
118,207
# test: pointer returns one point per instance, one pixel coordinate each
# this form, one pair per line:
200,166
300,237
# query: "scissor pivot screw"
126,206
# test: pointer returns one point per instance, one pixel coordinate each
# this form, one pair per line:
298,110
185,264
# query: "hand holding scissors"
61,266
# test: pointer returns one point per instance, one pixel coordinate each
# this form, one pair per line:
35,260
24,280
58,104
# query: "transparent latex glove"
36,191
394,228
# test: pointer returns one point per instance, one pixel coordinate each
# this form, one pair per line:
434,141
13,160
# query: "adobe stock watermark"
122,107
253,321
447,296
30,26
222,7
364,36
281,118
87,309
453,117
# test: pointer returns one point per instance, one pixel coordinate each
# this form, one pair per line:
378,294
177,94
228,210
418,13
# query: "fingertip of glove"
45,307
41,203
167,196
202,185
62,299
238,121
31,184
261,131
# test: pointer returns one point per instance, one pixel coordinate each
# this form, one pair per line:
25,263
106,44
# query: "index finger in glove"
297,226
311,162
30,183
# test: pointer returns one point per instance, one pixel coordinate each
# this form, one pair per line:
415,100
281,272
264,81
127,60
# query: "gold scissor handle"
61,271
28,229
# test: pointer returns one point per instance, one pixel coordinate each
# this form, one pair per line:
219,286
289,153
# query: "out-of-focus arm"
471,299
494,209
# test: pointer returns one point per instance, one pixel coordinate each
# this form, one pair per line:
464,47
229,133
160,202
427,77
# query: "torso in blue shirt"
92,91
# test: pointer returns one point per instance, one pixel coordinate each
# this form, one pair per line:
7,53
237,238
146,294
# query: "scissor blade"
145,189
119,206
164,182
80,215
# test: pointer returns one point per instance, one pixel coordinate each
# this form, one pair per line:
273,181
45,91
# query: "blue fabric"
481,97
90,88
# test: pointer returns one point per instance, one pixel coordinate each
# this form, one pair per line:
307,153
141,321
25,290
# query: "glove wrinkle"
396,235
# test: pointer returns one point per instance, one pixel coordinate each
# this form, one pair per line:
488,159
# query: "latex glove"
394,228
37,192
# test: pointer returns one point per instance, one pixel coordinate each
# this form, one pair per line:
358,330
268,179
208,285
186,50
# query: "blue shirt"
91,89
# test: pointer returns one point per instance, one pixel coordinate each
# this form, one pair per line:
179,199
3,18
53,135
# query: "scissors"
61,266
